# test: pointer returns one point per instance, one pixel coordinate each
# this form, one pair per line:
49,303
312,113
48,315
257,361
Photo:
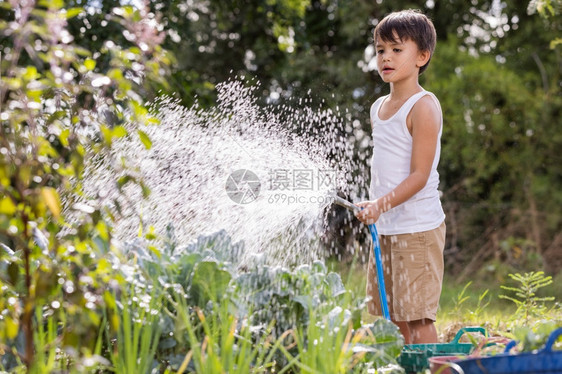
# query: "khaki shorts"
413,275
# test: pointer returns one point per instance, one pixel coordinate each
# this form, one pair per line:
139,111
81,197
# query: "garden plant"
76,74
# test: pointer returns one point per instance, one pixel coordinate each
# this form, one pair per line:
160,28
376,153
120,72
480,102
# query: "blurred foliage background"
496,70
74,72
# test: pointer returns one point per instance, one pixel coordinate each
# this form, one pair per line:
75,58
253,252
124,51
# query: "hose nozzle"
346,204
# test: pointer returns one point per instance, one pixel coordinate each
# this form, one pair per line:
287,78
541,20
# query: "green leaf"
7,206
73,12
151,235
102,230
385,338
56,4
305,301
145,190
103,266
335,284
81,51
150,120
124,180
12,327
90,64
51,198
145,139
63,137
59,114
13,273
209,282
155,250
107,134
119,132
30,73
12,83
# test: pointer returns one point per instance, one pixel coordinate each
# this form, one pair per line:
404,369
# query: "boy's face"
398,59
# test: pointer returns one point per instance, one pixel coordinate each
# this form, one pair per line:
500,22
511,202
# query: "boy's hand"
369,213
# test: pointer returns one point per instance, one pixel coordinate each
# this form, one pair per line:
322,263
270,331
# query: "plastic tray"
544,361
414,357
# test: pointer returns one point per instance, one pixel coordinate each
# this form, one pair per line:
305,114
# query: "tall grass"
46,343
221,343
325,347
135,332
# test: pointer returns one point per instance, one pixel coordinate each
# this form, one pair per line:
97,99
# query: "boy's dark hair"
408,25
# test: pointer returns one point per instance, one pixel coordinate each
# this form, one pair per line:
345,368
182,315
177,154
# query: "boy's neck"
401,91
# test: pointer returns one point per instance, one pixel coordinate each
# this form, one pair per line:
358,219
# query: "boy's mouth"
387,69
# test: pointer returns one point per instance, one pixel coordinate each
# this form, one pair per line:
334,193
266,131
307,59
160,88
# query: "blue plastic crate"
544,361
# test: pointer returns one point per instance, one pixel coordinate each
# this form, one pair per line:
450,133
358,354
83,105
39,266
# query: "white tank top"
390,165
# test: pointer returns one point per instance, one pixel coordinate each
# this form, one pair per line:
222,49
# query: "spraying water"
263,174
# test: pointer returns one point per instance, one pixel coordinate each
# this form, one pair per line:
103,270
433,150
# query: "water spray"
264,170
376,250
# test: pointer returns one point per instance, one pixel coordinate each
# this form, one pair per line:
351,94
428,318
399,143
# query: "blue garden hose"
380,274
377,253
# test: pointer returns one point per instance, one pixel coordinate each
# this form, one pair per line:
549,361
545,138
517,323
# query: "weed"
525,298
458,308
220,343
132,343
459,300
483,302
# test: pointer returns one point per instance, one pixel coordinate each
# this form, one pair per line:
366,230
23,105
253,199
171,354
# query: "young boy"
405,203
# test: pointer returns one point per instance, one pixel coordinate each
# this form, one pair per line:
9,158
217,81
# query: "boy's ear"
423,58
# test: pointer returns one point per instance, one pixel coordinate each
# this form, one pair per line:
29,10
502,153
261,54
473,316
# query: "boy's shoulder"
427,108
427,102
376,103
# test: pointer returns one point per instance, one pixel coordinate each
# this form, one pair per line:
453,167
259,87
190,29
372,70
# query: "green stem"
27,321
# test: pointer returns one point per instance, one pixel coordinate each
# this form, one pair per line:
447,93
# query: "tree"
496,162
61,104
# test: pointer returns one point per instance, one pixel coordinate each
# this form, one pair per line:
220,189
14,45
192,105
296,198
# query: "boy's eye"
397,50
380,51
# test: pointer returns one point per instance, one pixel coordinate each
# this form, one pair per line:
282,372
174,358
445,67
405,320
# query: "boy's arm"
425,123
